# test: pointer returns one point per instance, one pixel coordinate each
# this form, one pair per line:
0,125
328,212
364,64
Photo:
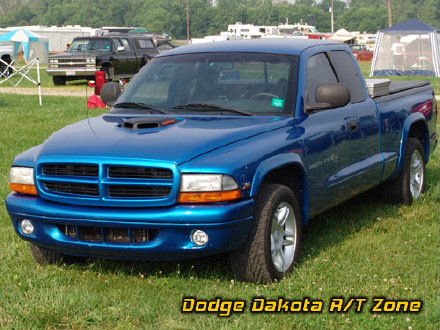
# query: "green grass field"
364,247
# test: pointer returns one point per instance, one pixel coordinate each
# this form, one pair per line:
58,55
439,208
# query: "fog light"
199,237
27,227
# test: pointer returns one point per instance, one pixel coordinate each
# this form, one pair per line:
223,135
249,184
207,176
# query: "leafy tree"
210,17
368,19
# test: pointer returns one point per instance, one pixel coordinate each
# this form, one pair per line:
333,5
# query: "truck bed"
403,88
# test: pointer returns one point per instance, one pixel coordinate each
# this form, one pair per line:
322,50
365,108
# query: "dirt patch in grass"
47,91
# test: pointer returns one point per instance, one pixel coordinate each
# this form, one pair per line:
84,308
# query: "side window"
319,71
144,43
116,43
126,45
348,74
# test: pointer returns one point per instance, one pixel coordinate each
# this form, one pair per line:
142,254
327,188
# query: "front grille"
112,185
71,60
140,172
70,169
138,191
73,188
108,234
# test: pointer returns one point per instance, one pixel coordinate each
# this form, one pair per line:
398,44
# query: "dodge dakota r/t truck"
118,55
223,147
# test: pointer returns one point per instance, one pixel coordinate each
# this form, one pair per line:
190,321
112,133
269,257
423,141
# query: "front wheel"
411,181
59,80
272,249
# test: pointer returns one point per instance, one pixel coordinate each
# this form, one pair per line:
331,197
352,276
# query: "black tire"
59,80
3,73
47,256
398,190
108,73
254,261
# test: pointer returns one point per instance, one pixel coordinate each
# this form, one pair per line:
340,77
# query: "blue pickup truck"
224,147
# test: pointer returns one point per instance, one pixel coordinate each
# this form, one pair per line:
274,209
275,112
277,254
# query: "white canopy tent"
32,45
407,49
35,51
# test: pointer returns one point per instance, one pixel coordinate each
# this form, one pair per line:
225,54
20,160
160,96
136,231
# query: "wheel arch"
415,126
287,170
7,58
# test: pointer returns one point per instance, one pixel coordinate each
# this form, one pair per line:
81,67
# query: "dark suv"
119,55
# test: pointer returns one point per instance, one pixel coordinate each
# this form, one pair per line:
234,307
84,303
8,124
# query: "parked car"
223,147
119,55
361,53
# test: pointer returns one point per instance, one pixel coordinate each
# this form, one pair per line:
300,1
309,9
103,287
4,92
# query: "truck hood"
187,138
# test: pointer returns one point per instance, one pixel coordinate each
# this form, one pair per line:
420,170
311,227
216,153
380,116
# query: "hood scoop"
147,122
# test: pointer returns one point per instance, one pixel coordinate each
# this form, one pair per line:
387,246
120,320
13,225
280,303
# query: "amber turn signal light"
209,197
27,189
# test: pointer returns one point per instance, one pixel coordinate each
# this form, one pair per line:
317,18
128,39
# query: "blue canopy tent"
33,45
407,49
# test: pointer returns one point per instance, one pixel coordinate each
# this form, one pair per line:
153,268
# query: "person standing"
398,50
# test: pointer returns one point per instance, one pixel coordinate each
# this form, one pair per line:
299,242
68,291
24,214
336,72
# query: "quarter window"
348,74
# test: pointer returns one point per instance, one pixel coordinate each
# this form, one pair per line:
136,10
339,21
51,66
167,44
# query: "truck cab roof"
288,46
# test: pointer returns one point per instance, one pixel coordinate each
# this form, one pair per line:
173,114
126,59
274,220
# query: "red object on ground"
100,80
95,101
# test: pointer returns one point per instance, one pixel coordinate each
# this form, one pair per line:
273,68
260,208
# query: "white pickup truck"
6,56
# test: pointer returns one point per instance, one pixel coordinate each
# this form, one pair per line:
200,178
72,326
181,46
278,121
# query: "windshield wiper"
211,107
139,105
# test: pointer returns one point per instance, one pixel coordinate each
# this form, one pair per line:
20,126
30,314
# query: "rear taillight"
425,108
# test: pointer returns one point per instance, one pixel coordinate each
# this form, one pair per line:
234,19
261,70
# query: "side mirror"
110,93
329,96
120,49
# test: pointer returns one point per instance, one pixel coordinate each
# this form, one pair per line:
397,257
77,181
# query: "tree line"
210,17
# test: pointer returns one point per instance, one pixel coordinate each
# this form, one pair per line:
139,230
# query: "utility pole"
390,14
89,10
188,32
332,10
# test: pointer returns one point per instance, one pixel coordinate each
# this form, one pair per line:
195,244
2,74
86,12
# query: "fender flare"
413,118
276,162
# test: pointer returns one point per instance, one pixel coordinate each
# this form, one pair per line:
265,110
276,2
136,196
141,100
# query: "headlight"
90,60
21,179
53,61
208,188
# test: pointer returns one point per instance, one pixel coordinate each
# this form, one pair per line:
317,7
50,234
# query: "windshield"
250,83
90,45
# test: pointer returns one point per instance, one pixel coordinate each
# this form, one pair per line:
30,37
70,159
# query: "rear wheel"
272,249
59,80
47,256
411,181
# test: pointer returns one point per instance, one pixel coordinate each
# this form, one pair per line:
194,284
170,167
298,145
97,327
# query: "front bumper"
72,71
226,224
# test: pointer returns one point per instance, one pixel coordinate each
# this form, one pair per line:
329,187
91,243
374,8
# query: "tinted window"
319,71
117,43
348,74
144,43
126,45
